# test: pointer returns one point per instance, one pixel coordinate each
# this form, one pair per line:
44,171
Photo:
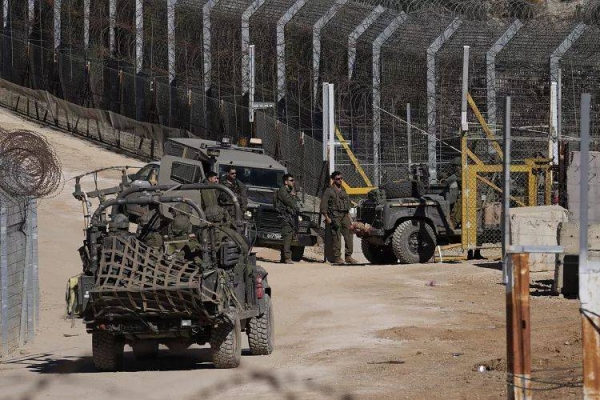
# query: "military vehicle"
184,276
405,224
262,175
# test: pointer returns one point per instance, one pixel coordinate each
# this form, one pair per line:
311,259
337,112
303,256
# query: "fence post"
490,59
518,328
4,276
408,136
377,45
506,191
34,260
432,93
589,271
25,295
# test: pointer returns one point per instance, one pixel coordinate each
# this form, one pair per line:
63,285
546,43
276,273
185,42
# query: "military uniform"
336,204
287,205
239,190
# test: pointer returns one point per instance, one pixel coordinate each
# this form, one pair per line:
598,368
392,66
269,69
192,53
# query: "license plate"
273,236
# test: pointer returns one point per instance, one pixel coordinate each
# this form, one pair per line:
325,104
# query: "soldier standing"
286,203
237,188
335,207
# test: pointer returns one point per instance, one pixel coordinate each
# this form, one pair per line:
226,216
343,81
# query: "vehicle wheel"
413,242
377,254
107,352
261,331
145,349
297,253
226,343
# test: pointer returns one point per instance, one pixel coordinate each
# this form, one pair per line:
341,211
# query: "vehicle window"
144,173
256,176
186,173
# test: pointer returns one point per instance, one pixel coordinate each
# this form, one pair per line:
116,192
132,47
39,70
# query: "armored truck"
183,275
262,175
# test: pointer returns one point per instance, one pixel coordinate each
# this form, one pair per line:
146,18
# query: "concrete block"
573,187
568,236
537,226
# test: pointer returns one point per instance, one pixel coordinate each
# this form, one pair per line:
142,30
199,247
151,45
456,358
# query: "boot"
287,261
350,260
338,260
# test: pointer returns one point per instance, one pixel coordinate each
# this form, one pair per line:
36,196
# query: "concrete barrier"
537,226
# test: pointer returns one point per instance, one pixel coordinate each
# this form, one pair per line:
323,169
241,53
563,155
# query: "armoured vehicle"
405,224
262,175
183,276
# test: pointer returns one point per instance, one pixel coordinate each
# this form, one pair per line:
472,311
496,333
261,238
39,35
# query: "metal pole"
408,135
317,27
506,192
432,94
4,277
331,128
86,25
490,59
553,142
356,33
325,119
252,8
377,44
589,271
280,44
251,81
465,90
112,22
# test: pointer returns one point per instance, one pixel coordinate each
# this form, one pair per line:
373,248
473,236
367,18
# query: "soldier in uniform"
237,188
286,203
335,207
453,193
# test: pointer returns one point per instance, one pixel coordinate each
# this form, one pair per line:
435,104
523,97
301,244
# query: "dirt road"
419,331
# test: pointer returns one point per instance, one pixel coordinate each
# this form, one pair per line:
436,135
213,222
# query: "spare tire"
398,190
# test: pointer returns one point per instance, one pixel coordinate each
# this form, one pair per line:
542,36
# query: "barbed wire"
28,165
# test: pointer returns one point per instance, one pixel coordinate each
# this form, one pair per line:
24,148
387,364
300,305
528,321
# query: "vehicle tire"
297,253
226,343
145,349
261,331
414,242
377,254
107,352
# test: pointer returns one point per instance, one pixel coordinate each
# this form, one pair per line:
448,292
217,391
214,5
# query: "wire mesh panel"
18,272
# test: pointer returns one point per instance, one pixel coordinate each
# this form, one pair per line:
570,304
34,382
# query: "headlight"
248,214
299,218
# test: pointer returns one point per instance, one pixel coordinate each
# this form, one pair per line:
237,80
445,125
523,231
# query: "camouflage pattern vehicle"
183,276
262,176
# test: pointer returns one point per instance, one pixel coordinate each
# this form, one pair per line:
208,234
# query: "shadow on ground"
48,363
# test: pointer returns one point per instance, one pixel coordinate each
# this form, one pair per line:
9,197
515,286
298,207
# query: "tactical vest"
339,202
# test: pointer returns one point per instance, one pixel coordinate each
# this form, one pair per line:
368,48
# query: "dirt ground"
418,331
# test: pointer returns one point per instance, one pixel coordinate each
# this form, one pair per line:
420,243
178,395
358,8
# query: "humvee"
202,286
261,174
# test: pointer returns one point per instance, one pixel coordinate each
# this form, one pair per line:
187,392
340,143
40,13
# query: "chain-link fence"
186,64
19,288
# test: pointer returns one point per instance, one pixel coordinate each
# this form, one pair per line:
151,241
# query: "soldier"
335,207
453,193
237,188
286,203
212,177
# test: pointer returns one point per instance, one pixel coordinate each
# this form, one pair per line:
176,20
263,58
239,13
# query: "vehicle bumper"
275,239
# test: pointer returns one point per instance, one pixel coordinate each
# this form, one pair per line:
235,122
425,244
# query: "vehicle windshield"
262,177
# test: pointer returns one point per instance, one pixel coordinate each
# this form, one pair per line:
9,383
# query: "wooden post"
518,329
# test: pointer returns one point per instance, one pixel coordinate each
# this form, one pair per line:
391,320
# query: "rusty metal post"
518,329
589,270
